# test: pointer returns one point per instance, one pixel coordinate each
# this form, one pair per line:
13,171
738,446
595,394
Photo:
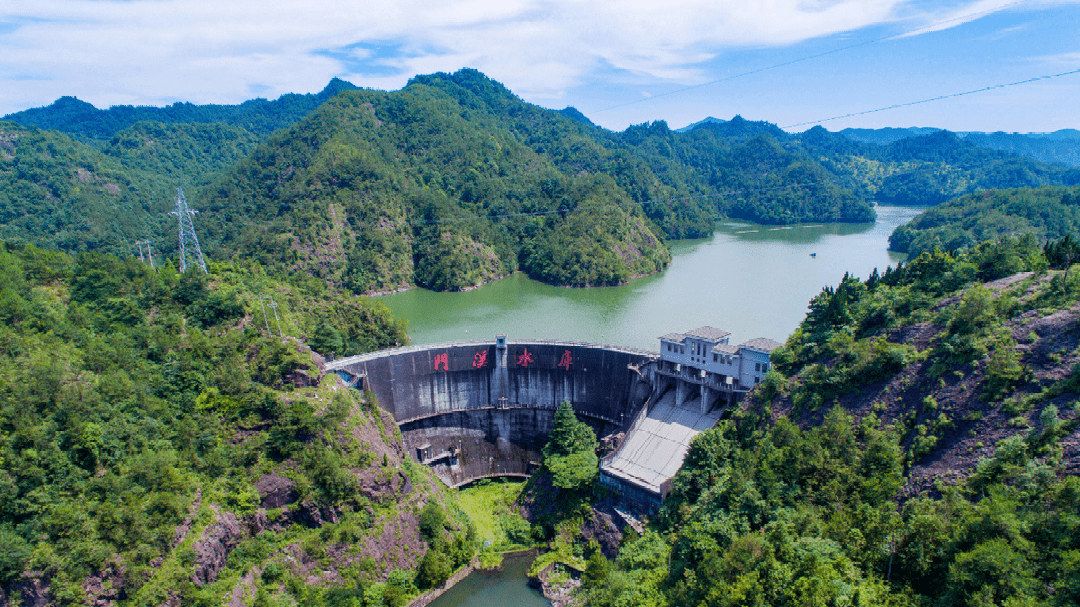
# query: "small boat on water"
813,255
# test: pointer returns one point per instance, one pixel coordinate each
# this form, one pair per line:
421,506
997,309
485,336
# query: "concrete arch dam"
472,410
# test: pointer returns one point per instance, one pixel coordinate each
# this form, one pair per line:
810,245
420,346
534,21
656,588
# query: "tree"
570,454
435,568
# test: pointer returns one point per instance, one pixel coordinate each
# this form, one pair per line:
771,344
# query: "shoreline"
428,597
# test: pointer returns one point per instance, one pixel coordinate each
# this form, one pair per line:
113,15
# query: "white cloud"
938,18
152,51
1062,60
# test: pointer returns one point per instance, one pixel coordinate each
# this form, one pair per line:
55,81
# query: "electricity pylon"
190,253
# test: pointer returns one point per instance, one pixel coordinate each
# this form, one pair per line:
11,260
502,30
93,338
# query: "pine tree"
570,454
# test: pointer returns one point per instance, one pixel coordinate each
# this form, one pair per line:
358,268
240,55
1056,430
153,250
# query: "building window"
764,366
757,380
714,357
757,367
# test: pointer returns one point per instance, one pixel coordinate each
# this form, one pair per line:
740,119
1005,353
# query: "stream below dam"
751,280
507,586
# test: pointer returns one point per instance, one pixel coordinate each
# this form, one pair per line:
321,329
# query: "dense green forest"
450,182
857,475
1047,213
61,194
158,445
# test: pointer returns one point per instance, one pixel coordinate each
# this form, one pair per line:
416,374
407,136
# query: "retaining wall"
492,407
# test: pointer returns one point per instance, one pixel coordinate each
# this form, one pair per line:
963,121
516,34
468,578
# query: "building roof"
726,348
761,344
675,337
708,333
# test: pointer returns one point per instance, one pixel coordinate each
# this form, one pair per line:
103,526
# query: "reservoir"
751,280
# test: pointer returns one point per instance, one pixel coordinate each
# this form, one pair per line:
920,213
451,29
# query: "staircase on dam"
654,448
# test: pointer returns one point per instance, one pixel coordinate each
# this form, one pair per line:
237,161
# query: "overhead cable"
938,98
809,57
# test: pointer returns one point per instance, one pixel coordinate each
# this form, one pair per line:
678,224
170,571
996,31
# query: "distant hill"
886,135
690,127
260,116
1061,146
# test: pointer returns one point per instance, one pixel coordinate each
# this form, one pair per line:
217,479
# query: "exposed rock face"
244,592
378,486
300,378
603,525
276,491
107,586
560,595
212,550
32,590
312,515
184,528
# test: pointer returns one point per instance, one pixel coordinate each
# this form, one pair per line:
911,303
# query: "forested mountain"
1060,146
930,169
915,444
1048,213
83,121
59,193
451,182
160,446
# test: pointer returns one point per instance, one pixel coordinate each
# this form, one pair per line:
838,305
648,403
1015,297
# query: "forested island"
171,438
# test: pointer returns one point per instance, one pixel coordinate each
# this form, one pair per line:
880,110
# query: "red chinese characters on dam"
525,359
479,360
444,360
566,360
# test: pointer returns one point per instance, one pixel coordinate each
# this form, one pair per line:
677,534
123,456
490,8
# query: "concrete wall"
497,404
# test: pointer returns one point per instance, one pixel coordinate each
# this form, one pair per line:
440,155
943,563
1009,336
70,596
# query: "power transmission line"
273,306
149,253
268,333
938,98
809,57
190,252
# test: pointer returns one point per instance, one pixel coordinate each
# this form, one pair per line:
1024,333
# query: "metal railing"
342,363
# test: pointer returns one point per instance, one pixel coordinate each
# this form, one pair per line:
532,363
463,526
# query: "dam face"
480,409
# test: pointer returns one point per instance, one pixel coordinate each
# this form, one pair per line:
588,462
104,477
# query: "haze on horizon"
790,62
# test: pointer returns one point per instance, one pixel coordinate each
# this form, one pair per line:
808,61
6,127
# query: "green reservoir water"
507,587
754,281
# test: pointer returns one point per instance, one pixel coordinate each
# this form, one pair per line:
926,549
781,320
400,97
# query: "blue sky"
619,62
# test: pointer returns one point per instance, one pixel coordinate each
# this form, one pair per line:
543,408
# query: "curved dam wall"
477,409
